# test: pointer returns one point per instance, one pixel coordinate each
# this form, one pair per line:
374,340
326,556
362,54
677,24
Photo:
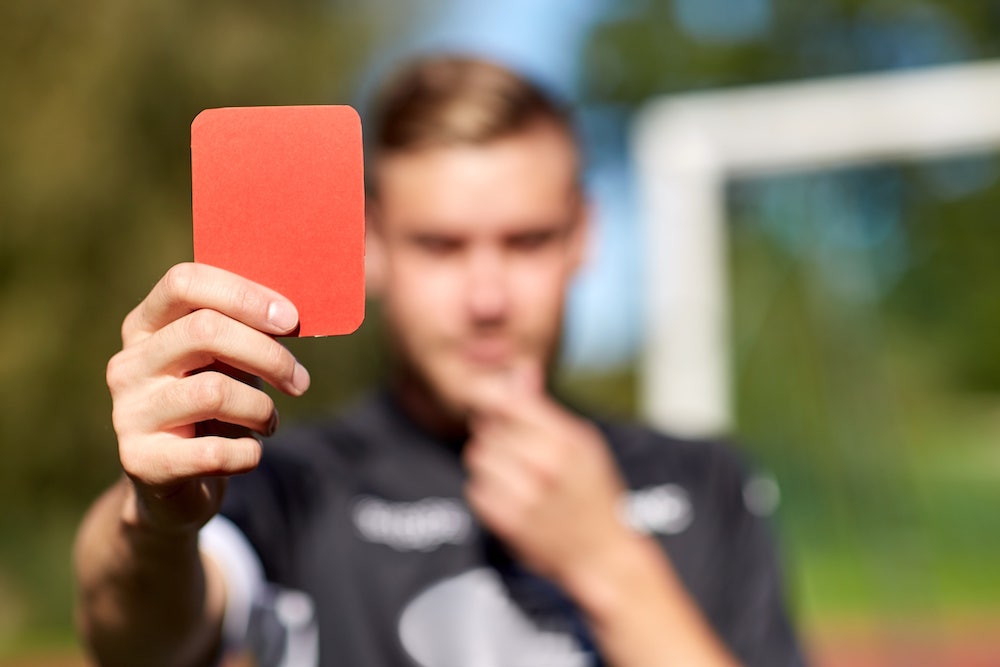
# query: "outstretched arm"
145,594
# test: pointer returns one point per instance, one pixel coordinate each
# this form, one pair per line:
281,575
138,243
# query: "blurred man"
462,516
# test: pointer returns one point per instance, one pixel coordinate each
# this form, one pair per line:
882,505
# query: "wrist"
170,513
144,527
608,578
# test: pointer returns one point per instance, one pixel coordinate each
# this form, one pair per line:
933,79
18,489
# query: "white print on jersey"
485,628
664,509
423,525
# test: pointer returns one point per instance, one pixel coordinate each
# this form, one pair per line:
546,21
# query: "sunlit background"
864,311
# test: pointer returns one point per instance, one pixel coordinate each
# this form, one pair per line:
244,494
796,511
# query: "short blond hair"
449,100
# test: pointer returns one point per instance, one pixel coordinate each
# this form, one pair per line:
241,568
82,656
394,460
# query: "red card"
278,197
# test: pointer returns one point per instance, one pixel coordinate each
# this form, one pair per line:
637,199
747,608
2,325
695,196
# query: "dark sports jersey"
372,554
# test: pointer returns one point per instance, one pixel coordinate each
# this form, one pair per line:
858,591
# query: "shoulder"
701,491
715,475
640,448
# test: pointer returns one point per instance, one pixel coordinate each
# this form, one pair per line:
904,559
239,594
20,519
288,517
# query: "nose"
487,297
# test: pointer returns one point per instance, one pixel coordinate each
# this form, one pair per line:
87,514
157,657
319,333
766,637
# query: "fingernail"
300,379
282,316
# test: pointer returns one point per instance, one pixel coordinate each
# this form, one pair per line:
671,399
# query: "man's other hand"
542,479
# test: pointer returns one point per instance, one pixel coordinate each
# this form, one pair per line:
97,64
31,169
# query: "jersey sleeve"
752,616
241,571
692,496
276,505
257,504
255,540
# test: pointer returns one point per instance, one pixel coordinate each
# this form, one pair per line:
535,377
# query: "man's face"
472,250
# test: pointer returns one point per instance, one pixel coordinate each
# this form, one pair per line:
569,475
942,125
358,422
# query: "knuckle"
548,470
114,375
129,325
268,407
205,327
281,360
121,419
276,360
178,279
248,456
209,392
132,461
247,299
212,456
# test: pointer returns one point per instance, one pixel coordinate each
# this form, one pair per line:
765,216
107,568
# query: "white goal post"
686,146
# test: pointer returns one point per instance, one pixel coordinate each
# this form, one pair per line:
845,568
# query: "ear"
374,250
580,234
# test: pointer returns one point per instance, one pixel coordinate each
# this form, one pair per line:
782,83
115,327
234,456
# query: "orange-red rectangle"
278,197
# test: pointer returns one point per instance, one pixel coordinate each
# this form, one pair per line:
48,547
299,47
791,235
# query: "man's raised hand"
188,350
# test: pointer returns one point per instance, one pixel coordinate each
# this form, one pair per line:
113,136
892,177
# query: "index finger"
517,394
188,287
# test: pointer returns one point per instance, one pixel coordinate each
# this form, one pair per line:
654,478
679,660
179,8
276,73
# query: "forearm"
640,612
143,597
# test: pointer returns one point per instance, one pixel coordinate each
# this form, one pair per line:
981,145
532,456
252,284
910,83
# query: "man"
461,517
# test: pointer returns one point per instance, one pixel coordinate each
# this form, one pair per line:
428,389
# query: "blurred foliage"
98,98
875,409
949,295
95,196
647,51
865,316
857,400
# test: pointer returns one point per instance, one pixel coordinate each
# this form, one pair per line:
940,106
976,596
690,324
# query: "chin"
453,395
449,393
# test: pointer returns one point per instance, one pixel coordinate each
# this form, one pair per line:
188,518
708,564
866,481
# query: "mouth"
487,352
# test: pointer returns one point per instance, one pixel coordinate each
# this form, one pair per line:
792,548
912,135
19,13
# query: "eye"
533,240
436,244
